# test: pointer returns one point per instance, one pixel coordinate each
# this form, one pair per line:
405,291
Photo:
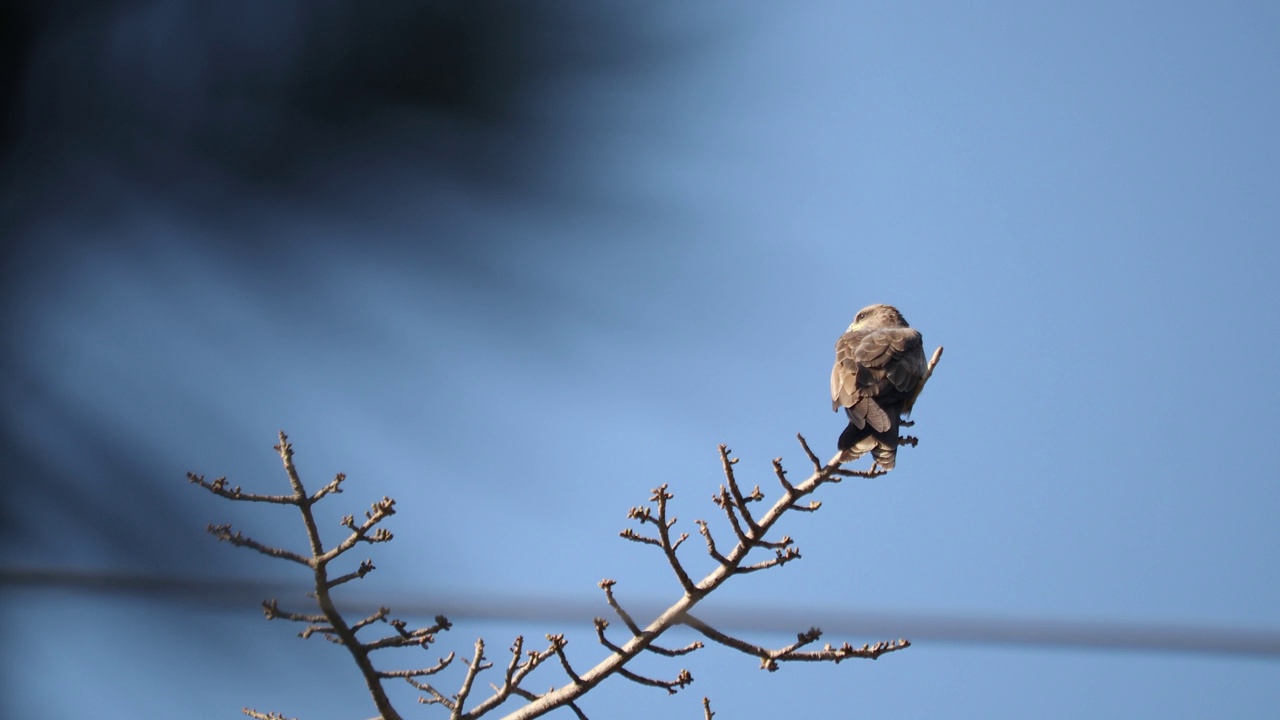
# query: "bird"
879,365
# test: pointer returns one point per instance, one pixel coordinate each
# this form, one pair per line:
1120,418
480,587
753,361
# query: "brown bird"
879,363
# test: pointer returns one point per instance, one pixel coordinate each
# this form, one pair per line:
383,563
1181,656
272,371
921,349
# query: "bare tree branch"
365,568
607,586
329,622
219,487
711,543
264,716
750,532
769,658
223,533
557,644
740,503
733,563
406,674
659,498
817,464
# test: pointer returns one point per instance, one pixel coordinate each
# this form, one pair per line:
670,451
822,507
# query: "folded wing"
875,374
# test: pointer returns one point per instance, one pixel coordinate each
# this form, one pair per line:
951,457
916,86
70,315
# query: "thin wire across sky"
842,623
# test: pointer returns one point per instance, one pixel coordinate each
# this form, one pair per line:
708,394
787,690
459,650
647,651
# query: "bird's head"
878,316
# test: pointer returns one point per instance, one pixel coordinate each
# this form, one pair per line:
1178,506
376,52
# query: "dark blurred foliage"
197,102
234,116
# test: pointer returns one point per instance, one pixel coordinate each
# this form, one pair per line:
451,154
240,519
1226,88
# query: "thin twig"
769,658
264,716
332,488
381,614
740,502
365,568
444,663
223,533
782,476
661,496
272,611
516,673
817,464
607,586
711,543
671,686
726,504
219,487
474,668
557,644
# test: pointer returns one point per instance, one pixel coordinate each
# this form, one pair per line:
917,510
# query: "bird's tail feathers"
886,455
883,446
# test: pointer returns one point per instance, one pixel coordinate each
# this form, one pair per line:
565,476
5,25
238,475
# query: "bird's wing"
876,371
888,360
844,375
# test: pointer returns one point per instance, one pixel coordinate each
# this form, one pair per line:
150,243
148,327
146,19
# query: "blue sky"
1076,199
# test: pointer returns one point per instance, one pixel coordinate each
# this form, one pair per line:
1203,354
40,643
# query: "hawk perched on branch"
879,364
